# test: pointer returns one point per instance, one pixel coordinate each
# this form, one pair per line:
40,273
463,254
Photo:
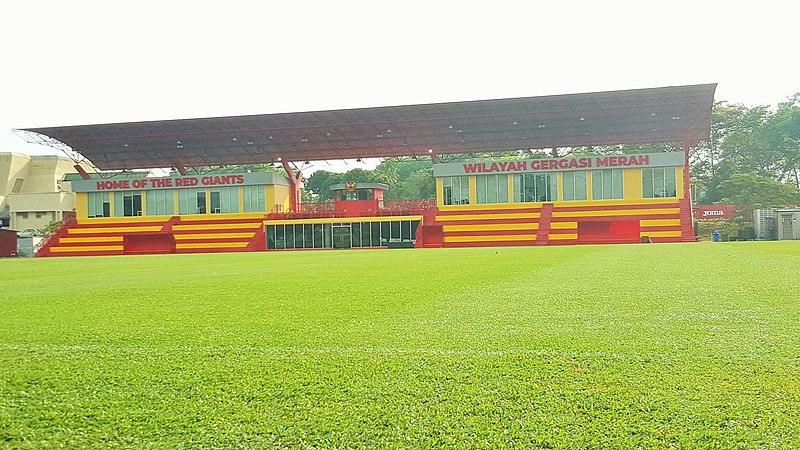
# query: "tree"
758,191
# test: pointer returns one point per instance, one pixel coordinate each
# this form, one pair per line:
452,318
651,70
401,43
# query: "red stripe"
489,232
118,225
203,241
488,221
661,228
237,230
616,218
564,231
489,211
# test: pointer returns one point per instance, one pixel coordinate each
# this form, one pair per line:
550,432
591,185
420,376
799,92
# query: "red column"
296,180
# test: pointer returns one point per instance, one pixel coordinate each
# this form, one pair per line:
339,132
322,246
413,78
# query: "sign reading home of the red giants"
178,182
559,164
709,212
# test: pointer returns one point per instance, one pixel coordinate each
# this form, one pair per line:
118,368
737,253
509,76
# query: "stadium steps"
544,224
187,234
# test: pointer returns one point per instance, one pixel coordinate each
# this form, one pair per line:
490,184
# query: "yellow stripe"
496,238
660,223
343,220
121,220
212,245
561,237
217,226
563,225
184,237
97,248
498,226
646,201
661,233
456,218
153,228
617,212
82,240
197,217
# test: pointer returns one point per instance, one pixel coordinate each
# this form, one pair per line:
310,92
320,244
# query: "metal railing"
65,222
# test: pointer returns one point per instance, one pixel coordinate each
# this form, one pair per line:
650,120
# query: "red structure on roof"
638,116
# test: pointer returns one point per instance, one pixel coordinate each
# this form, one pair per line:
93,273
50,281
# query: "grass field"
636,346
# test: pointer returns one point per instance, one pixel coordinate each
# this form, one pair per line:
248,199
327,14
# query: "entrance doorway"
788,232
341,236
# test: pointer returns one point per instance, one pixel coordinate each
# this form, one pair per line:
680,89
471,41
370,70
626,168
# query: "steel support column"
296,180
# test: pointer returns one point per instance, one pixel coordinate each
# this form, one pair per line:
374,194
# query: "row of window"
340,235
543,187
222,200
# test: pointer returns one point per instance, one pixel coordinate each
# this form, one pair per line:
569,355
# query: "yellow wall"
81,205
632,191
277,195
632,184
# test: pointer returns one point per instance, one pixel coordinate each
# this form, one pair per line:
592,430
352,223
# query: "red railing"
55,232
407,204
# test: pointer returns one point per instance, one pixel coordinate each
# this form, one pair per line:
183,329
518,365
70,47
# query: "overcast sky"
72,62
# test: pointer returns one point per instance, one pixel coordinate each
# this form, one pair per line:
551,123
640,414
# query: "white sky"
82,62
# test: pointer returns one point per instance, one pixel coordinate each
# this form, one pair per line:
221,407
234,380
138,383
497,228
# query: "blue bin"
716,235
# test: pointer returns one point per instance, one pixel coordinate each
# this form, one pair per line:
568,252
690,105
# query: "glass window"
366,238
535,187
607,184
224,200
254,199
288,232
127,203
492,188
574,185
658,182
160,202
99,204
355,234
327,235
375,233
455,190
385,232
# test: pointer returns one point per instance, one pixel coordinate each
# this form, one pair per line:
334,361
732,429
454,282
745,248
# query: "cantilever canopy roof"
638,116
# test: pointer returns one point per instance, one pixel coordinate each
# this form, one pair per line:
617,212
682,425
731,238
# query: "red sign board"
709,212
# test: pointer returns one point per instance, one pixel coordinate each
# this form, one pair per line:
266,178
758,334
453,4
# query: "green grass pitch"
628,346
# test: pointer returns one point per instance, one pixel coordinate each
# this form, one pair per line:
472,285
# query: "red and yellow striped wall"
627,220
149,235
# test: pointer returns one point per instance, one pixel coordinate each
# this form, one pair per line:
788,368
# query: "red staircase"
58,231
544,224
687,221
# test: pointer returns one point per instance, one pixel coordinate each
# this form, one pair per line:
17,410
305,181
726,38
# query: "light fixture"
582,119
430,150
358,159
676,118
234,139
514,122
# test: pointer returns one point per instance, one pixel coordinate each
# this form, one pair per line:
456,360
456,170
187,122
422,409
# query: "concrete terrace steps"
186,235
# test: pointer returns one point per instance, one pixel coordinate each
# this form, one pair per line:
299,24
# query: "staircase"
52,237
544,224
687,221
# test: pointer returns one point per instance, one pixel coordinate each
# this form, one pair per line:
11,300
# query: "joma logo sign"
716,212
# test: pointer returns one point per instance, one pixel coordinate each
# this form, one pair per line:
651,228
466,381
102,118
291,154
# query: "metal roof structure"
637,116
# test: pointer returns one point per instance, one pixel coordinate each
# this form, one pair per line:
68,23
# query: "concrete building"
31,192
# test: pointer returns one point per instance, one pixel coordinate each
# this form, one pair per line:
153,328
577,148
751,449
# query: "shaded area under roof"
637,116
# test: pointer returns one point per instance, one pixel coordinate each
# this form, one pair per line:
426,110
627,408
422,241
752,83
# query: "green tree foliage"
758,191
405,178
